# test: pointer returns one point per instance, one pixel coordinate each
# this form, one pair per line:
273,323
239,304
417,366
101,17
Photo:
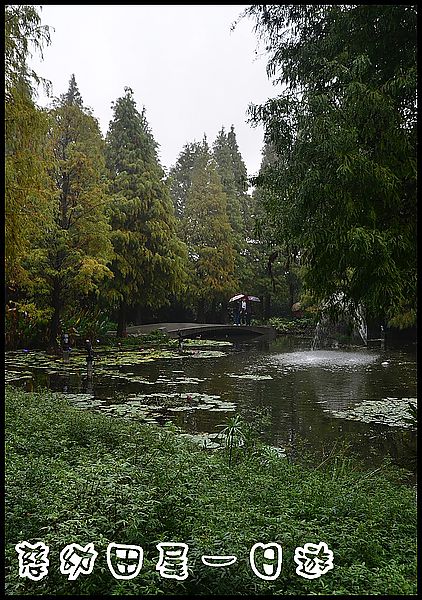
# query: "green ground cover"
74,476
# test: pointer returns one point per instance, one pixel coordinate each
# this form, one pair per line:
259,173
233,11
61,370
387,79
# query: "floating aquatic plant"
393,412
106,364
253,377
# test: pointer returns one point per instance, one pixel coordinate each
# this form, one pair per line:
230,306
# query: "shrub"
304,325
87,324
26,326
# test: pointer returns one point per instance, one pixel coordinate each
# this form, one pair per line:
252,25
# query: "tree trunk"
55,319
212,315
122,321
267,306
291,285
201,311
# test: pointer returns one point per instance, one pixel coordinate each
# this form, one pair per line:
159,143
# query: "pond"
295,396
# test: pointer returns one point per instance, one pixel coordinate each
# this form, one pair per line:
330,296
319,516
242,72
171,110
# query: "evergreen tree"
180,177
23,31
252,251
72,97
222,153
208,234
233,174
71,261
149,264
241,180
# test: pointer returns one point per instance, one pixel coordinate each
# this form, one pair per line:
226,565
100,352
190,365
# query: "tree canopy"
208,234
343,190
149,258
27,189
94,224
71,259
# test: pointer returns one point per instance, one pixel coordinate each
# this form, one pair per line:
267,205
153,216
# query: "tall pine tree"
149,264
223,158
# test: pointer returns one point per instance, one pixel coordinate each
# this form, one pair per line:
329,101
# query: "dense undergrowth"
78,477
298,326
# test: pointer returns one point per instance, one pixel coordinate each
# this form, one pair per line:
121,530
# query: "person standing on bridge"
243,310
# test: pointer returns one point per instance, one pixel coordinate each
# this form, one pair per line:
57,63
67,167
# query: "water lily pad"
393,412
201,343
253,377
190,380
17,376
207,354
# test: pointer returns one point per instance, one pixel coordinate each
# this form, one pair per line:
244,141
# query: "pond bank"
78,477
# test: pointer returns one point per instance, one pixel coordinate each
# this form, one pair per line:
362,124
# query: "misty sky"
192,74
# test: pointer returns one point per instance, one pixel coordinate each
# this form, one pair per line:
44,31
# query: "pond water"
295,396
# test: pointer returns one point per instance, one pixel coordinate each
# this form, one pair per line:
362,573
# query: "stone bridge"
192,330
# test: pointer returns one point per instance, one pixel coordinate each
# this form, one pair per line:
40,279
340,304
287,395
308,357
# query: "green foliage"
27,188
149,258
26,325
28,192
180,177
238,209
233,434
85,324
73,476
208,235
156,338
343,187
294,326
23,32
277,266
233,175
70,261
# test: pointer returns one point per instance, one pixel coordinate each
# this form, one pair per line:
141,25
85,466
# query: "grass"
80,477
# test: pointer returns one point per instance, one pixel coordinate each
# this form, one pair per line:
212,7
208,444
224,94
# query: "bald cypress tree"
180,177
72,97
209,236
241,182
233,174
149,257
70,262
225,168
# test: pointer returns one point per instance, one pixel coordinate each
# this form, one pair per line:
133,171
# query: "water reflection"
289,390
324,358
305,385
